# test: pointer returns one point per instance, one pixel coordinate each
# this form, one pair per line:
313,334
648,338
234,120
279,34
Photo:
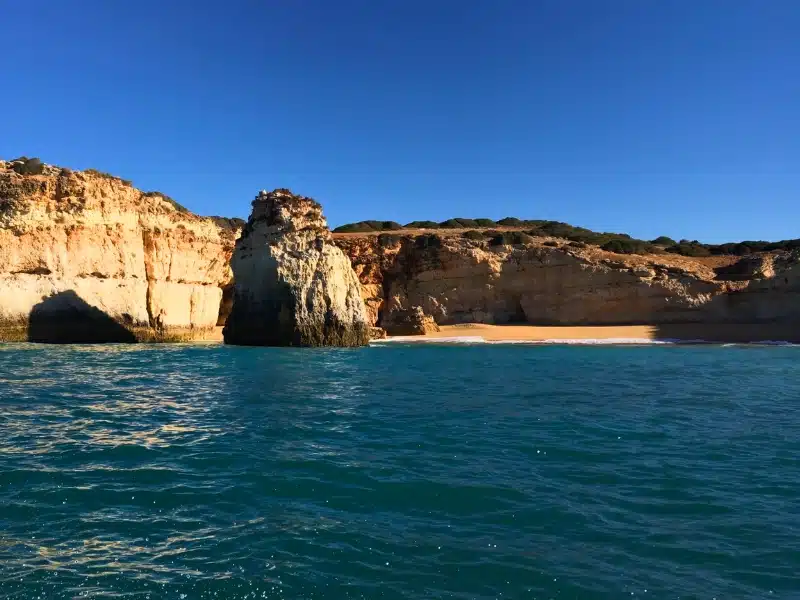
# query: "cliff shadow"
225,305
738,317
66,318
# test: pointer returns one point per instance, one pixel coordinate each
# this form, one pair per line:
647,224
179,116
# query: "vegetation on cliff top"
230,223
24,165
368,226
526,229
619,243
614,242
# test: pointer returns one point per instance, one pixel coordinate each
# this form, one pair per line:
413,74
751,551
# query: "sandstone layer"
87,257
293,286
552,282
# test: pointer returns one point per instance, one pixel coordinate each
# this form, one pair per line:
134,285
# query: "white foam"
464,339
589,341
476,339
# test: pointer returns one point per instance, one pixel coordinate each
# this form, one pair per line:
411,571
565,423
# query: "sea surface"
399,471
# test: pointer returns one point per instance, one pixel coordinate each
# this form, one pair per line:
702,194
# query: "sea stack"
292,285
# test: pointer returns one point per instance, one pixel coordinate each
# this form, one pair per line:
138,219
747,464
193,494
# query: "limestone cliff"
551,281
293,286
85,256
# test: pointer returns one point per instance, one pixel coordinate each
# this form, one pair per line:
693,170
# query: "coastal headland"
87,257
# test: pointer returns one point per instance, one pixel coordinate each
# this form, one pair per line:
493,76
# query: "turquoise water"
399,472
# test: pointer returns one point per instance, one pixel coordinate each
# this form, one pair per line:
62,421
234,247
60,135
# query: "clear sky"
676,117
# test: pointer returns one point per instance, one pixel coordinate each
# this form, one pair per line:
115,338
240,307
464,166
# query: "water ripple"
396,472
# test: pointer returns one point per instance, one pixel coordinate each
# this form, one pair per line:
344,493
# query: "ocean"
399,471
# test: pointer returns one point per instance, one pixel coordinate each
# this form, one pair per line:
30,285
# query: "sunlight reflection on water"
212,472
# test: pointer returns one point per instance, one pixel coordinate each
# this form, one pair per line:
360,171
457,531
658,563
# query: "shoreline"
610,334
481,333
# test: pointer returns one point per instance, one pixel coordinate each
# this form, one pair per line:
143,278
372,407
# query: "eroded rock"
456,281
293,286
410,321
85,256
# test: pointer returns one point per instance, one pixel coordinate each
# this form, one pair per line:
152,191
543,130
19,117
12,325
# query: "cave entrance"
225,305
516,314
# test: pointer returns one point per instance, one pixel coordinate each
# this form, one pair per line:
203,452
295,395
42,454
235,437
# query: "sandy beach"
693,332
721,333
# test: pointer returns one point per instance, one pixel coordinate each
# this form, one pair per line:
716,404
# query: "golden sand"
685,332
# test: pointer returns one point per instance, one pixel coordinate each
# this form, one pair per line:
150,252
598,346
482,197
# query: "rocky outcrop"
293,286
409,321
458,280
377,333
85,256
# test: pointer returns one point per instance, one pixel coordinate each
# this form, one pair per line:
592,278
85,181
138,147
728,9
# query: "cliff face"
547,281
87,257
293,286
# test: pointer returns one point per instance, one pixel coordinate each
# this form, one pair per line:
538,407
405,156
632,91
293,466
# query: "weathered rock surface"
293,286
457,280
85,256
377,333
409,321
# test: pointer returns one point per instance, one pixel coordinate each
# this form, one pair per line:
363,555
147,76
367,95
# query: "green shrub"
360,227
368,226
613,242
551,243
685,248
472,234
663,240
458,224
510,238
696,248
230,223
422,225
626,246
577,245
428,240
749,247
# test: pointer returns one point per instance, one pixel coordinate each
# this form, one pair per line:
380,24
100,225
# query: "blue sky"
651,117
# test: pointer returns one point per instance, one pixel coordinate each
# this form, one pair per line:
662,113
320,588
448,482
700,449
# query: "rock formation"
293,286
85,256
409,321
547,281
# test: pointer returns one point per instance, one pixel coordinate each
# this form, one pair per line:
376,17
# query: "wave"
474,339
402,339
